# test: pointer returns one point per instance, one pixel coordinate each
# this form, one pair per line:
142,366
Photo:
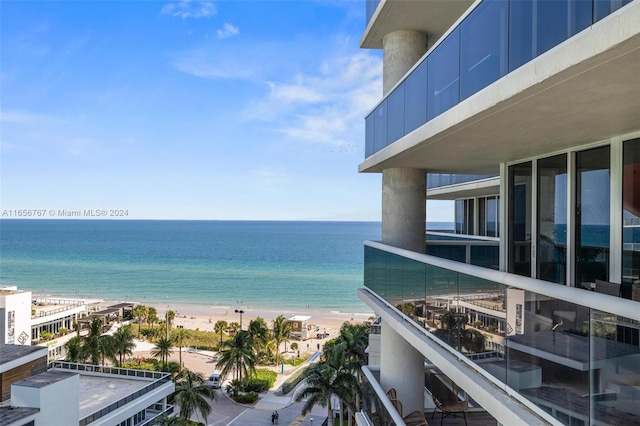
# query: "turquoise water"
219,263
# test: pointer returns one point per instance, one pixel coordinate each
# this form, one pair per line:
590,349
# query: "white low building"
69,393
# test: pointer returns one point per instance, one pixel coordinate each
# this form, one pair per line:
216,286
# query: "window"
520,193
631,219
592,215
551,260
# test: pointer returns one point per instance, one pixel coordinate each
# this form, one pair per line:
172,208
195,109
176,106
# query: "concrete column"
404,208
401,50
402,368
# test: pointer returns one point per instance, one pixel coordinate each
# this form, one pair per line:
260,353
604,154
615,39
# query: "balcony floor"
473,419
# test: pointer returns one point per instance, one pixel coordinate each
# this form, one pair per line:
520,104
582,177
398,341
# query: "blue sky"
188,110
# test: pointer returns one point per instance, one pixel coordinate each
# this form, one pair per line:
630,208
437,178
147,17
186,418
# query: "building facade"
527,114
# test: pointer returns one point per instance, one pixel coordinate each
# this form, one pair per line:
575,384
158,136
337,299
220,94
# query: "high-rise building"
527,114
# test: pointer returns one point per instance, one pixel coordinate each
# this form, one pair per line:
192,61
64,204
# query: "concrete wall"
57,401
15,318
404,208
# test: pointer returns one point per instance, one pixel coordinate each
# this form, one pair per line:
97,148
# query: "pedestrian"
318,346
273,418
277,416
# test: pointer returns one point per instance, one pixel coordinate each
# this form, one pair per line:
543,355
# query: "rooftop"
299,318
9,415
44,379
10,353
98,392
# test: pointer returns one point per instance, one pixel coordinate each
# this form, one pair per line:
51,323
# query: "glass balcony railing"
437,180
371,6
375,404
478,251
574,354
497,37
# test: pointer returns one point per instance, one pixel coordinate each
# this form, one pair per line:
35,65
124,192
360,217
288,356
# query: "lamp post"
240,311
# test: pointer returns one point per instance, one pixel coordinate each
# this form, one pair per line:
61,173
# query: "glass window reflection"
538,25
443,69
395,119
631,220
415,98
483,47
520,196
551,258
548,353
592,216
615,369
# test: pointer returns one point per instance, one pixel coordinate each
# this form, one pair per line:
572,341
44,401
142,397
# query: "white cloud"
197,64
227,30
315,92
326,107
189,9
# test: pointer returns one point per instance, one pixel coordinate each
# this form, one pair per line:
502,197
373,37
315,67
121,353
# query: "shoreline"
204,316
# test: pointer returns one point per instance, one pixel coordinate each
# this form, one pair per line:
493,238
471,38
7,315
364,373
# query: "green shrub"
247,398
266,374
255,385
297,361
45,335
144,365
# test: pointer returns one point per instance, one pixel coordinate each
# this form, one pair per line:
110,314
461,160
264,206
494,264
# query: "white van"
215,380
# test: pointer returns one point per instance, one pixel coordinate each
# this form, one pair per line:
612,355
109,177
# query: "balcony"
378,409
493,41
473,250
573,354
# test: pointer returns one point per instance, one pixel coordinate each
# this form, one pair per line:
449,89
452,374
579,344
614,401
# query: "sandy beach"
204,317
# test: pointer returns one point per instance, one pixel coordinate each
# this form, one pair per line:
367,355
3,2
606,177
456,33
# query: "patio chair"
415,418
445,397
397,405
391,393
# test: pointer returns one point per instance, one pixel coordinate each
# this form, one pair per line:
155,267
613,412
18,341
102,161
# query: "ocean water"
273,265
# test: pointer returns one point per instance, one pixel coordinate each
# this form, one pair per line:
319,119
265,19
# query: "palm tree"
152,316
237,356
123,343
219,327
234,327
180,337
353,341
191,393
96,347
259,335
281,333
163,350
140,313
322,380
171,315
73,349
166,420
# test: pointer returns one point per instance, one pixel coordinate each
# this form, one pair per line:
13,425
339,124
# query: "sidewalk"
273,399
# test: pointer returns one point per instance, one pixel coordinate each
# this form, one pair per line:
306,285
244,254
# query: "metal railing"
45,313
168,411
129,372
